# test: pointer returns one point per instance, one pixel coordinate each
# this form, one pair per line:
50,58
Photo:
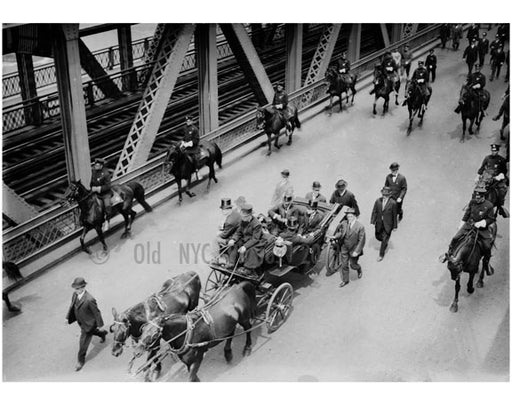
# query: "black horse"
181,165
415,103
472,108
466,258
490,184
383,86
271,121
191,335
92,210
338,84
177,296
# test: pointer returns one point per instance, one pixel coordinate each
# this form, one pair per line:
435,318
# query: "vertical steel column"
206,62
124,37
293,36
354,42
175,42
396,32
385,35
249,61
28,88
71,100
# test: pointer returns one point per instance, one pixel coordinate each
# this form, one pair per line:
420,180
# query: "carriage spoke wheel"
279,306
333,259
214,281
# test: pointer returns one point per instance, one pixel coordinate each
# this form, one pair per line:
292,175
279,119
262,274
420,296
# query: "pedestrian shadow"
456,134
97,347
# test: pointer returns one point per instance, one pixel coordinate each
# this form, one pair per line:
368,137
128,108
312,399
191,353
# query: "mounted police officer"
100,184
495,165
190,142
389,68
280,101
344,68
479,214
476,82
420,78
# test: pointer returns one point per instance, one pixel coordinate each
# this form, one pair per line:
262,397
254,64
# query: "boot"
457,110
372,91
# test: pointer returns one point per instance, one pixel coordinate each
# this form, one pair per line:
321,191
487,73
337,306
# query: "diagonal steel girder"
248,59
409,29
175,42
15,207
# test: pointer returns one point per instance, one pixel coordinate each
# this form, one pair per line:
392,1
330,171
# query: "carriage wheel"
214,281
279,306
333,259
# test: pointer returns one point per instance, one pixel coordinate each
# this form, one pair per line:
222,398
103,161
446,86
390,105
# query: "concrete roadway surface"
394,324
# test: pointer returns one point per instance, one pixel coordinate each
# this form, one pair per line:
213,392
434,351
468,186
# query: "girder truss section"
409,29
155,43
15,207
175,42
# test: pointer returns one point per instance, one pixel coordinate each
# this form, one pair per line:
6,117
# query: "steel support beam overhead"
72,104
396,32
323,54
354,43
385,35
155,43
96,72
28,87
409,29
206,62
293,77
175,42
124,37
14,207
249,61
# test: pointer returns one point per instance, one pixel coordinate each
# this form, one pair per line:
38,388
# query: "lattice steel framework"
175,42
15,207
409,29
155,43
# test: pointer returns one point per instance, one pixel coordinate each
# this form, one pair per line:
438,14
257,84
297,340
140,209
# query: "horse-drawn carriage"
281,257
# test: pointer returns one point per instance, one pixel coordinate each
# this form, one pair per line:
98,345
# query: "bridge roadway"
394,324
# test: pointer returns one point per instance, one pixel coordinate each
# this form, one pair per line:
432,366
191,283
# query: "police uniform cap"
292,223
278,84
246,208
420,62
495,147
350,210
394,166
100,160
286,172
480,190
316,184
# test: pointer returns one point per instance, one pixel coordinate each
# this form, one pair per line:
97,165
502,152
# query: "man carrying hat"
312,219
384,217
230,221
496,166
398,186
84,310
352,237
344,197
281,212
315,195
479,214
247,242
282,187
100,184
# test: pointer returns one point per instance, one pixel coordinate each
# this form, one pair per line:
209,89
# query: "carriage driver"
229,224
476,81
479,214
190,141
420,79
100,184
496,166
280,101
247,242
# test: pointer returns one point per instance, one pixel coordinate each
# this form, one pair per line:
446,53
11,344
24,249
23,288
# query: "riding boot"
457,110
372,91
487,267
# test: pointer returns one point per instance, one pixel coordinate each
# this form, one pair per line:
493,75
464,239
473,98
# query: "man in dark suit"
281,212
312,219
473,33
344,197
352,237
471,55
84,310
231,220
431,63
315,194
483,48
398,185
384,217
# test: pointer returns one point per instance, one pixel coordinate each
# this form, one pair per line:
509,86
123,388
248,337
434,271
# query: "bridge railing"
26,242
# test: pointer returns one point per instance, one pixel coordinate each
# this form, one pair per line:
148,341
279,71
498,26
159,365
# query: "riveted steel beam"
323,53
96,72
396,32
155,43
248,59
174,45
15,207
28,88
206,62
293,35
354,42
71,100
385,35
124,37
409,29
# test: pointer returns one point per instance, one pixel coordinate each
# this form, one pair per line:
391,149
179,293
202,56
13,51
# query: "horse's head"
121,330
150,336
261,114
173,155
75,191
456,261
331,74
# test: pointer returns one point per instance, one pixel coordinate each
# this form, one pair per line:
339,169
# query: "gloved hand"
96,189
499,177
231,242
242,250
398,200
481,224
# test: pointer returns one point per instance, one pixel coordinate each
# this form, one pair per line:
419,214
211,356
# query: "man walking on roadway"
343,196
398,186
384,217
471,55
84,310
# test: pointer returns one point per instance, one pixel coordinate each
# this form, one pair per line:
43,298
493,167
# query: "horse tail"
138,193
250,290
218,155
12,270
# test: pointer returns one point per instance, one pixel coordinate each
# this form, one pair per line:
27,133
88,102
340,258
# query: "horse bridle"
127,324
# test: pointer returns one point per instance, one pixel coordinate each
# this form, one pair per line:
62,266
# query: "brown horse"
339,84
191,335
472,108
272,122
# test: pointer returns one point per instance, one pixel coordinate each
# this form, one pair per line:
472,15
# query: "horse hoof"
289,143
471,290
228,356
191,195
215,180
278,146
480,284
454,308
124,235
269,153
375,113
247,351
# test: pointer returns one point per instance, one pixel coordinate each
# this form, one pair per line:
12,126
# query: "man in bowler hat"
84,310
384,217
